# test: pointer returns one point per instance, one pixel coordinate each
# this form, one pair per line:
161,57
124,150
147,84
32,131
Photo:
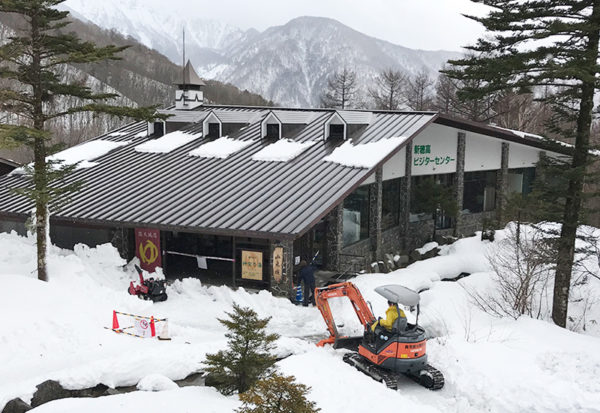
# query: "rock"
431,253
194,379
415,256
440,239
96,391
48,391
16,406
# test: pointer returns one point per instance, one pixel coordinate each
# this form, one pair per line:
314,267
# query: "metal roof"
234,196
295,117
190,77
184,116
356,117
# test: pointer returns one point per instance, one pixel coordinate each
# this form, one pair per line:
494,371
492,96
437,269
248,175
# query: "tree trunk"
566,248
40,177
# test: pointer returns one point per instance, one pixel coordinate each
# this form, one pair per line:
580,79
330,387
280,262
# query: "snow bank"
168,142
81,154
366,155
55,330
281,151
220,148
183,400
156,382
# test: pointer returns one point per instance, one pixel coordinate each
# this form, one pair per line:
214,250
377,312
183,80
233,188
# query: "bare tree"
341,92
387,93
418,92
521,276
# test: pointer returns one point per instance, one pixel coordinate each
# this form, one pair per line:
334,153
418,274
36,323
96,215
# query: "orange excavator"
381,354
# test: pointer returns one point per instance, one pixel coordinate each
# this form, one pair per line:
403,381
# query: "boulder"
415,256
16,406
48,391
96,391
194,379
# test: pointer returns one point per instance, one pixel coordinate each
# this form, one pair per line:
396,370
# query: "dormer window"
159,129
212,126
214,130
336,131
336,127
271,127
273,131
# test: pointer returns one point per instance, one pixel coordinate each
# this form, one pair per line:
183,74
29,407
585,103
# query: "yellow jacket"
390,316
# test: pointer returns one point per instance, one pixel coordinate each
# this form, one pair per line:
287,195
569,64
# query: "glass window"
390,214
272,131
432,195
336,131
356,216
479,191
521,180
214,130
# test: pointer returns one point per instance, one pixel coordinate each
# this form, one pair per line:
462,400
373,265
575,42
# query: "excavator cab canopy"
399,295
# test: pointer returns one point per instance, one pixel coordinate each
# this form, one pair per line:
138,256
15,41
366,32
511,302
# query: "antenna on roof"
183,63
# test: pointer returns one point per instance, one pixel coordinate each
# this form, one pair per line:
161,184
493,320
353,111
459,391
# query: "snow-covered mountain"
158,28
288,64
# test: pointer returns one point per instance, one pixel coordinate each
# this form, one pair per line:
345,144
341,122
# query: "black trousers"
309,294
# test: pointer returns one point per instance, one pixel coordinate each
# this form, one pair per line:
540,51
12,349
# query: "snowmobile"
382,354
149,289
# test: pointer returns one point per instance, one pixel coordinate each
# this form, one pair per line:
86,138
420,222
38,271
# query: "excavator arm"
349,290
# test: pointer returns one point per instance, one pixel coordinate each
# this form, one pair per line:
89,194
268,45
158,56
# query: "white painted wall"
396,166
521,156
482,153
441,158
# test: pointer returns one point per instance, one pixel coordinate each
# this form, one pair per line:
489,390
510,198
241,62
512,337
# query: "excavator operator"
391,314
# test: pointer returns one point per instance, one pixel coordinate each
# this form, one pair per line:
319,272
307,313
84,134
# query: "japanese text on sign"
252,265
427,160
422,149
277,263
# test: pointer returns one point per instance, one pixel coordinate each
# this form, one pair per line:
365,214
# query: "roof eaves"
505,134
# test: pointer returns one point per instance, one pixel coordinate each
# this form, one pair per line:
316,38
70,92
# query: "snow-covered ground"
55,330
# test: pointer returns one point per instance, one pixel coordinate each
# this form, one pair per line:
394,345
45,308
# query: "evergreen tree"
552,43
277,394
248,356
31,63
387,93
341,90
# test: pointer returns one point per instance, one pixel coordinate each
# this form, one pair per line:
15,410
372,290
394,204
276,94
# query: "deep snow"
56,330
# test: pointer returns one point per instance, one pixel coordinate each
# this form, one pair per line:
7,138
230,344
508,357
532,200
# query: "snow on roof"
81,154
366,155
115,134
220,148
521,134
168,142
281,151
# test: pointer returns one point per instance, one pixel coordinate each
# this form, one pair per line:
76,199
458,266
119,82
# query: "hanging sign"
277,263
147,248
252,265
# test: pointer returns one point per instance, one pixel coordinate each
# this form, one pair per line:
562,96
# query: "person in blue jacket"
306,275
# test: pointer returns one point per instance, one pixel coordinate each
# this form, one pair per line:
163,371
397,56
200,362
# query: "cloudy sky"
424,24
